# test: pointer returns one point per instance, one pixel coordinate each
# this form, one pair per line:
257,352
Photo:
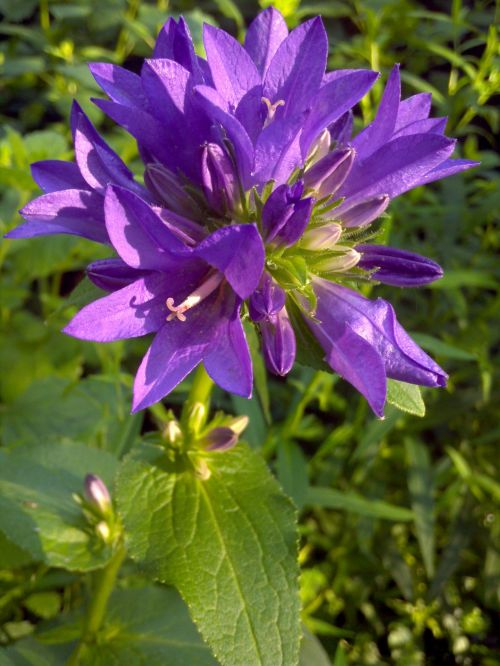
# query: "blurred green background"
400,559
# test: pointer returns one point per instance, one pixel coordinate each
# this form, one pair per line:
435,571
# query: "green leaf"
227,543
421,486
312,652
440,348
30,652
11,556
148,626
37,509
292,471
406,397
354,503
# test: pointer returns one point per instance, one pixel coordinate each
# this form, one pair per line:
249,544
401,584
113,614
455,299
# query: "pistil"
203,291
271,110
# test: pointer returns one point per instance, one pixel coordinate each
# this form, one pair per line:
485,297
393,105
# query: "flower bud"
197,417
220,182
172,432
278,343
103,531
221,439
346,259
285,214
267,299
398,267
165,185
238,424
321,238
361,214
327,175
321,147
96,493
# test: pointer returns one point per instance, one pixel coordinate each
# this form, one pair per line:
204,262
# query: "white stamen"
204,290
271,110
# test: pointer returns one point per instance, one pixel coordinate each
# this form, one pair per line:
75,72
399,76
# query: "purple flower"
253,184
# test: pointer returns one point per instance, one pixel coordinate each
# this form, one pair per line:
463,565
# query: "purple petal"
396,167
233,71
296,70
73,212
166,84
137,233
228,360
174,43
268,299
55,175
249,112
362,213
176,350
98,164
341,130
264,36
217,111
278,343
382,128
398,267
447,168
434,125
277,151
238,252
334,99
328,174
220,182
148,132
130,312
119,84
112,274
376,323
412,109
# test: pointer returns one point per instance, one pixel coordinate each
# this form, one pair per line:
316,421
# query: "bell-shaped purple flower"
165,186
220,182
398,268
285,214
365,344
278,342
267,300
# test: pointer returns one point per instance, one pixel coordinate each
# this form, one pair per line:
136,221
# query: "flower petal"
112,274
119,84
296,70
175,43
73,212
228,360
382,128
137,233
416,107
447,168
396,167
130,312
233,71
55,175
238,252
264,36
334,99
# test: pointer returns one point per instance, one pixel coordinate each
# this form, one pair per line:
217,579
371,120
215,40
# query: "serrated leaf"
37,509
354,503
227,543
406,397
292,471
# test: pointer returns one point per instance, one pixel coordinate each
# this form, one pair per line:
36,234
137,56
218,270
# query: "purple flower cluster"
254,193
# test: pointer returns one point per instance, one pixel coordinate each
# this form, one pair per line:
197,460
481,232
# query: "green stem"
104,584
200,391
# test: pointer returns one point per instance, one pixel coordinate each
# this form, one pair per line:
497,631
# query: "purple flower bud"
97,493
344,259
165,185
221,439
361,214
398,267
327,175
266,300
278,343
285,214
321,147
219,179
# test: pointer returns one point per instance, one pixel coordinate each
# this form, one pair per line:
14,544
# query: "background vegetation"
400,542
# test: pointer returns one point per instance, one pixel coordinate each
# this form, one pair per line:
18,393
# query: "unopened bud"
220,182
172,432
238,424
197,417
361,214
103,531
327,175
321,238
164,184
398,268
267,299
278,343
221,439
337,263
202,470
321,147
96,493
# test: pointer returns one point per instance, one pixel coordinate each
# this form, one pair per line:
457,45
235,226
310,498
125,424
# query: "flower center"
271,110
205,289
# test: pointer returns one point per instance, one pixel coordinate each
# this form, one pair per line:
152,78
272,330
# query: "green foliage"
399,533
